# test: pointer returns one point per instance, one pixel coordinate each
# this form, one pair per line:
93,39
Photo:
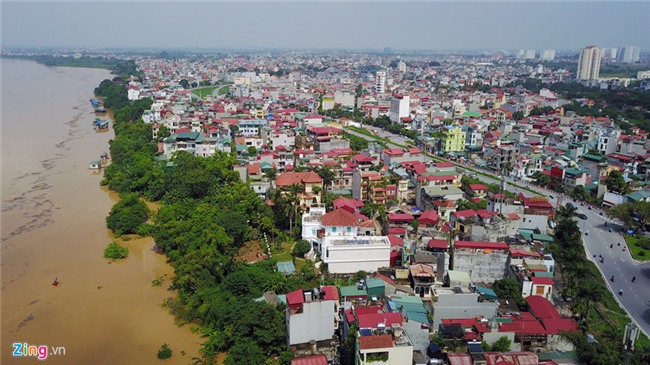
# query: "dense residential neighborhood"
426,222
430,198
426,235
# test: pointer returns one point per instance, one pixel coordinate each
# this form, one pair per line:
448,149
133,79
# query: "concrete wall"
532,221
481,267
461,306
316,322
350,258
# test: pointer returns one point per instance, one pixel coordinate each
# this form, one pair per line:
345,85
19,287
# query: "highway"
597,238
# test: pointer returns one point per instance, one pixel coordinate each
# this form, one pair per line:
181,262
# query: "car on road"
584,217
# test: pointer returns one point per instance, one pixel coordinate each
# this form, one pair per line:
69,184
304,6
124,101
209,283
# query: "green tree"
566,211
184,83
501,345
115,251
270,175
245,352
635,215
588,294
541,179
252,151
615,182
579,192
508,289
518,115
359,90
301,248
286,357
127,215
164,352
327,175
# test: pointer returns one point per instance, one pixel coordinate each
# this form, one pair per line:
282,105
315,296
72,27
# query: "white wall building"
335,235
380,82
588,63
312,314
548,55
400,107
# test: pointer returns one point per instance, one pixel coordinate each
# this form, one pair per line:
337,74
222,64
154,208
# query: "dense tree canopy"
127,215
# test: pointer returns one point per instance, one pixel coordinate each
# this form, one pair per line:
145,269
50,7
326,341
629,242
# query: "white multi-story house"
608,140
335,235
312,315
399,108
251,127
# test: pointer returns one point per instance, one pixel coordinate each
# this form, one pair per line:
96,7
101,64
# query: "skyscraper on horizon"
629,54
588,63
547,55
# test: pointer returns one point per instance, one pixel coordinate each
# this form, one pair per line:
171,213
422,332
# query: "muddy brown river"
53,225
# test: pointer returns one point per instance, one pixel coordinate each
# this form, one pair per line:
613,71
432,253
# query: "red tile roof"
542,308
482,245
295,298
429,216
438,244
340,218
310,360
290,178
371,320
537,280
395,241
555,325
476,187
331,292
400,217
375,342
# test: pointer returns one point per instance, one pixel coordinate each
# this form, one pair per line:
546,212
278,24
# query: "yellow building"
454,138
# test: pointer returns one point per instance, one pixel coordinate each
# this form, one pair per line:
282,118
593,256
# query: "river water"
53,225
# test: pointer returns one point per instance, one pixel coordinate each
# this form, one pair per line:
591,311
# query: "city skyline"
479,25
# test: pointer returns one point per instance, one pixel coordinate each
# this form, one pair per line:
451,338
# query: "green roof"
374,283
638,195
286,267
591,157
544,274
541,237
486,292
471,114
352,291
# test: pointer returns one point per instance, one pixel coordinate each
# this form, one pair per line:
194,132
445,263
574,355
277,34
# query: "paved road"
597,238
619,263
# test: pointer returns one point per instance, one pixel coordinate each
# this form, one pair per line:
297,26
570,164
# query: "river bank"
53,225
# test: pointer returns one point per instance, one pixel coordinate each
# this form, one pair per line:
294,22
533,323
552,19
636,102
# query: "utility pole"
630,335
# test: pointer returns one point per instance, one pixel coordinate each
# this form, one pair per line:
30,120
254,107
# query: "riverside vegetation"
206,215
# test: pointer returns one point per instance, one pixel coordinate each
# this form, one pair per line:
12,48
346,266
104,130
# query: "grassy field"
638,252
224,90
204,91
283,254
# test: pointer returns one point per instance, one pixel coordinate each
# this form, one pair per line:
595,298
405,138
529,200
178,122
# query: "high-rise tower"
588,63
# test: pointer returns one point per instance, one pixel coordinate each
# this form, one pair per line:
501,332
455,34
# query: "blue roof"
487,292
286,267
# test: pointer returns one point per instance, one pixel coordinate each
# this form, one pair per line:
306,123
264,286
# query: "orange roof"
375,342
290,178
340,218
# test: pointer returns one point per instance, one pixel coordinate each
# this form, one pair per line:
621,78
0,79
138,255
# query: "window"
333,229
349,229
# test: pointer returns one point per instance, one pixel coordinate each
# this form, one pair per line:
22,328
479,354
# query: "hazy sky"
327,24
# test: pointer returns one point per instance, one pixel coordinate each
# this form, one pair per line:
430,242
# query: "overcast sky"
428,25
